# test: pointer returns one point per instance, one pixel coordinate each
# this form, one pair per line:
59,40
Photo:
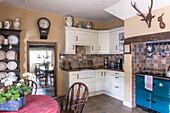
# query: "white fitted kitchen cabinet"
103,43
68,44
82,38
116,40
94,43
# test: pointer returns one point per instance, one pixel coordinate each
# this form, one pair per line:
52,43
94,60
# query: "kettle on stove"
168,72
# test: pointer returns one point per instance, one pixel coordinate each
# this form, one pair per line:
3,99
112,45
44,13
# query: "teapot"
7,24
69,21
88,25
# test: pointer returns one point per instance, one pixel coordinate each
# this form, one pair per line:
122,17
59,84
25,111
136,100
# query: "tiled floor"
106,104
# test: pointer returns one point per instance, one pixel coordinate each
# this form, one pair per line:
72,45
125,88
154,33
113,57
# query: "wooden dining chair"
75,100
32,85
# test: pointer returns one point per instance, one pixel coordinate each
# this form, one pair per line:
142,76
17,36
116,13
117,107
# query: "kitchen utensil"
7,24
155,48
159,48
16,23
2,55
69,21
74,65
66,65
167,48
163,53
5,41
12,65
3,66
13,39
88,25
3,75
168,72
10,55
149,55
80,24
2,39
150,48
11,74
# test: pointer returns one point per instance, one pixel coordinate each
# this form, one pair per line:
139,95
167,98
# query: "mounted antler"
148,18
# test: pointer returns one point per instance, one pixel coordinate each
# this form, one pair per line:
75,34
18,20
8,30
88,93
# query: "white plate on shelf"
11,74
12,65
2,55
3,75
2,39
3,66
10,55
13,39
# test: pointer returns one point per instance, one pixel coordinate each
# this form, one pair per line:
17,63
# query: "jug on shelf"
69,21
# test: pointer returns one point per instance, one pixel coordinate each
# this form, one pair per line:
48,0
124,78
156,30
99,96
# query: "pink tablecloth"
39,104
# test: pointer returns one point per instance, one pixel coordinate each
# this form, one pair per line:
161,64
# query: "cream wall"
30,32
135,27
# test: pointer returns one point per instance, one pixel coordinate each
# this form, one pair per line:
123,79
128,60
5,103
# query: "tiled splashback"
141,61
81,55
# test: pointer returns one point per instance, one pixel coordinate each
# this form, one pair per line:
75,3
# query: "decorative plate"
2,55
11,74
2,39
10,55
3,66
12,65
13,39
3,75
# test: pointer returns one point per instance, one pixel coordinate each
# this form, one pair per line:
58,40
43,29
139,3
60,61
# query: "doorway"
42,61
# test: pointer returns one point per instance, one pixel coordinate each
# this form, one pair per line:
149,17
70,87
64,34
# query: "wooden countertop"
111,69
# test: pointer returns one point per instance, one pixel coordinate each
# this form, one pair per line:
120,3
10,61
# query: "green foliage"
45,63
14,92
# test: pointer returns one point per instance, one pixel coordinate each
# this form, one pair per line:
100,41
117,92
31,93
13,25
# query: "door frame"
55,44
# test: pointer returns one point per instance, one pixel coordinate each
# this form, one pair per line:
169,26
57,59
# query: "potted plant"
12,95
46,64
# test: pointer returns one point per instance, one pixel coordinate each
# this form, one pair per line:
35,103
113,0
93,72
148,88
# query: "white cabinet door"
114,43
94,43
82,38
107,81
69,42
90,83
74,77
121,41
103,43
99,80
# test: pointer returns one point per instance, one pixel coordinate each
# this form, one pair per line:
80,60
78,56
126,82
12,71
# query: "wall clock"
44,27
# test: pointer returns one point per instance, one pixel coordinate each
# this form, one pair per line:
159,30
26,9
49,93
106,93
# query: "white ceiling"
84,9
124,10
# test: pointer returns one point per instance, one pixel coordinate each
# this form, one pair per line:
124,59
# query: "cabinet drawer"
143,98
162,88
161,105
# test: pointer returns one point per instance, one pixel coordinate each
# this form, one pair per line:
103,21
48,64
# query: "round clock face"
44,23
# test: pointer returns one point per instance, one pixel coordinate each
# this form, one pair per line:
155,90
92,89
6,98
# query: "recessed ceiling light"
103,1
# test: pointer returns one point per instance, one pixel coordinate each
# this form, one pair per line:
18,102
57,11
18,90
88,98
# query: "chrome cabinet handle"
117,73
101,73
73,47
92,47
117,77
76,38
77,76
116,47
116,87
99,48
105,74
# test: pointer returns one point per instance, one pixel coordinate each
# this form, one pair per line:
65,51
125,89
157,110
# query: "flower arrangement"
14,90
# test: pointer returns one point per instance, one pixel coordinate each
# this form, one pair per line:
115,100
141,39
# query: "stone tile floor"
105,104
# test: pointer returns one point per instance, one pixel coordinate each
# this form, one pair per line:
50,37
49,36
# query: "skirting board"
128,104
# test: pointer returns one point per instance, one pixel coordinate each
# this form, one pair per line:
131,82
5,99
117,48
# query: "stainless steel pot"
168,72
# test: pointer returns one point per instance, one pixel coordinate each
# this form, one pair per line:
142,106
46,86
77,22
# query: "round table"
38,104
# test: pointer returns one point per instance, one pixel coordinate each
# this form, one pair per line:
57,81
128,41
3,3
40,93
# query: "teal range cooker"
157,100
